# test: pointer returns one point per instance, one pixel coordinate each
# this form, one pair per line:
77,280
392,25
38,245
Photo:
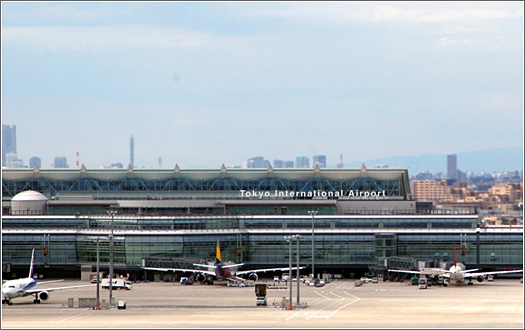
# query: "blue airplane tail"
32,261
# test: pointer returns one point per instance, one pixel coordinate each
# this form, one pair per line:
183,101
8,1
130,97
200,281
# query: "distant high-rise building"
452,167
256,162
60,162
302,162
282,163
8,142
428,190
35,161
12,161
319,159
132,151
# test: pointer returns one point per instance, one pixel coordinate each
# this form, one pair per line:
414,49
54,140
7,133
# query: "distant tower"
8,141
340,165
132,151
452,167
78,161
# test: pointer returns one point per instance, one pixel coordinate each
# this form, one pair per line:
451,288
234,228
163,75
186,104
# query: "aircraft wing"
244,272
206,266
40,283
181,270
223,266
474,275
405,271
56,289
230,266
470,270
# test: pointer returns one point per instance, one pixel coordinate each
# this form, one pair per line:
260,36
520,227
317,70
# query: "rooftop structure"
307,183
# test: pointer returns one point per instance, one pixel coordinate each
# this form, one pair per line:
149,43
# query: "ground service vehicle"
117,284
260,292
423,283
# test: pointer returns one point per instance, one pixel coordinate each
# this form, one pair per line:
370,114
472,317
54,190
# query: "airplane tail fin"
218,256
32,261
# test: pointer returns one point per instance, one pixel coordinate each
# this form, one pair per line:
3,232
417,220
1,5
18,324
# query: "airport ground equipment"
116,284
260,293
422,282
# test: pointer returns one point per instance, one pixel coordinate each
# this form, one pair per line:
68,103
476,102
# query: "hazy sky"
201,84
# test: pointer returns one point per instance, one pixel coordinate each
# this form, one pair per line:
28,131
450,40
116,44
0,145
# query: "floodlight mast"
313,213
112,213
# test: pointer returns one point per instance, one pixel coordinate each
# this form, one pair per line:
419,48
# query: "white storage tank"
29,203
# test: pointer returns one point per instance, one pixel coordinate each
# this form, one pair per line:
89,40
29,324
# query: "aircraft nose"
8,293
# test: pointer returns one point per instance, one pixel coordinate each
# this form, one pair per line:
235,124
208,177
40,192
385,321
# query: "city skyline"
202,84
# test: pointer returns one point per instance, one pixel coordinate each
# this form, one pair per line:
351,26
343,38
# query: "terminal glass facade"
341,242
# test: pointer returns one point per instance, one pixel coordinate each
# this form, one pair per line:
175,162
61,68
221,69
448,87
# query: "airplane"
24,287
221,271
456,272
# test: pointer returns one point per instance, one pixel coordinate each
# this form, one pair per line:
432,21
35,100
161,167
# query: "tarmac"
339,304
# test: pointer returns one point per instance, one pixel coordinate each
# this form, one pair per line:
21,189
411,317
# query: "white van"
117,284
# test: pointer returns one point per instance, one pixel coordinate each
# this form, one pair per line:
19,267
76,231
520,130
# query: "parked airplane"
457,272
23,287
221,271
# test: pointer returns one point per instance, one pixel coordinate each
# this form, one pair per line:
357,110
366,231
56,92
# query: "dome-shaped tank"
29,202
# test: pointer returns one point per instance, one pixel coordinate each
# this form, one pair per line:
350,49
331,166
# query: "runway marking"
337,310
338,301
341,298
325,297
291,317
69,318
453,290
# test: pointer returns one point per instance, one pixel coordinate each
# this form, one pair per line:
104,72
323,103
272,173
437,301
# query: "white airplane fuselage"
457,273
17,288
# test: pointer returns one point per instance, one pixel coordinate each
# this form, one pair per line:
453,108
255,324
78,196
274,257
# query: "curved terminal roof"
223,180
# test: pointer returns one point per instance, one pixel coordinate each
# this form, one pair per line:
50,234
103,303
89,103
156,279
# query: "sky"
201,84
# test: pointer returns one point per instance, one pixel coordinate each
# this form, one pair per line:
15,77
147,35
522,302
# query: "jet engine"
44,295
480,278
200,277
253,277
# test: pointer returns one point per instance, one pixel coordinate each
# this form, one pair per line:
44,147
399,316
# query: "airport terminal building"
357,220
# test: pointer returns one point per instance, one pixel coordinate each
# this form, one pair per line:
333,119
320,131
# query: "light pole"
289,239
313,213
112,213
297,237
98,276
